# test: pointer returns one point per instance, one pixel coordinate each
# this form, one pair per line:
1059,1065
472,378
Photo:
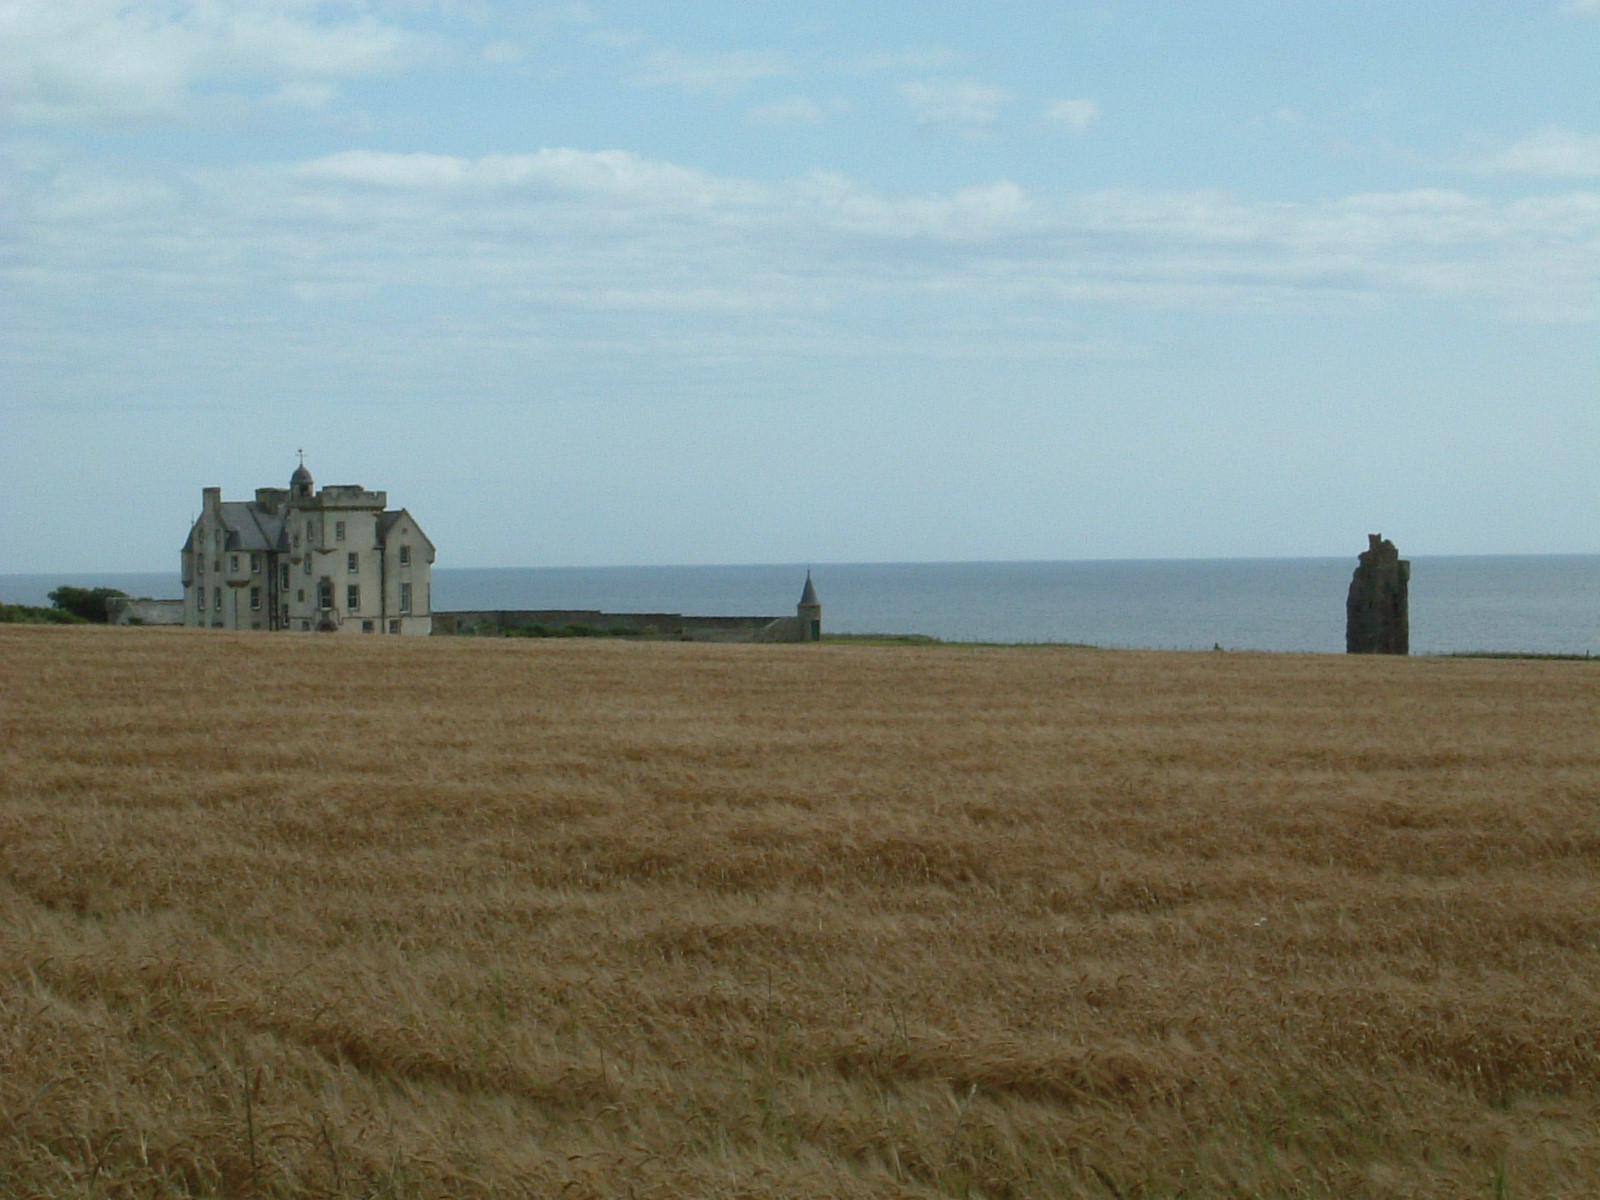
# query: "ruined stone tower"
1377,620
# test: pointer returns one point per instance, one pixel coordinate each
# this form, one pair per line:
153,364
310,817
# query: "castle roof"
389,518
251,527
809,596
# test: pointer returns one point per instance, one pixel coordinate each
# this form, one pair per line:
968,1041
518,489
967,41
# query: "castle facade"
296,558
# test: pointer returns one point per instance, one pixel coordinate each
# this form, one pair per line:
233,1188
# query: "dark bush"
27,614
88,603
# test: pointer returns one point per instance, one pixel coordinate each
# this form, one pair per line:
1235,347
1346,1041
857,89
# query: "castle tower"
1377,609
301,484
809,610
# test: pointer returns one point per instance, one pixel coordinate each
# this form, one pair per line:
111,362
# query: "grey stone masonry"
1377,618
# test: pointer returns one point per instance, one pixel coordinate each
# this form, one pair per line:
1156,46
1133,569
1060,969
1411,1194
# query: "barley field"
345,917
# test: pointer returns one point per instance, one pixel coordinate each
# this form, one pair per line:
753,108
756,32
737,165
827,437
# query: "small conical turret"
809,610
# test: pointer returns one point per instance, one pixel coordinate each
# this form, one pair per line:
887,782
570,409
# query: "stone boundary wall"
123,611
668,626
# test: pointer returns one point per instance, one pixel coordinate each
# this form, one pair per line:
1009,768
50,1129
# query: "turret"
301,484
809,610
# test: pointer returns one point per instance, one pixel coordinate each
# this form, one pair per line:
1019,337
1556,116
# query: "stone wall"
125,611
668,626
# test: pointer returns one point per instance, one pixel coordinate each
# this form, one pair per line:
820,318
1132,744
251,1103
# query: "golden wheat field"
299,916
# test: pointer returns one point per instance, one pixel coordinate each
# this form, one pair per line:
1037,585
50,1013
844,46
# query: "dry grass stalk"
329,917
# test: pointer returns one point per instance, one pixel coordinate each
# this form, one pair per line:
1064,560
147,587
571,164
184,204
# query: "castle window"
200,599
338,531
283,575
255,599
405,597
233,562
394,626
300,596
353,562
216,599
308,564
255,564
325,594
369,627
405,556
352,597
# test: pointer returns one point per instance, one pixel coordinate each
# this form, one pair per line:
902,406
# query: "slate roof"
386,522
809,596
251,527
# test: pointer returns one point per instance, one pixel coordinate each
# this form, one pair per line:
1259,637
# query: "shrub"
27,614
88,603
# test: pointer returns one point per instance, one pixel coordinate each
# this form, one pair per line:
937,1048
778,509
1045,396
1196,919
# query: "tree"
88,603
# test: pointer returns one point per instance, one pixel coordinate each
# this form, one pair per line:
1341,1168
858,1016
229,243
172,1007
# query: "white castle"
334,560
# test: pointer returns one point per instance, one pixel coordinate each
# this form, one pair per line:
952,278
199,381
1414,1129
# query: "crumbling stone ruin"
1377,620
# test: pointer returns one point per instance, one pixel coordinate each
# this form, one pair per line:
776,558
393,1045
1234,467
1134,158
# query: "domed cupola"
300,483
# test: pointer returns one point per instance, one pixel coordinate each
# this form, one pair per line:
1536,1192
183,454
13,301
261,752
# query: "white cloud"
1552,152
120,63
578,232
709,72
529,180
1074,115
793,110
955,102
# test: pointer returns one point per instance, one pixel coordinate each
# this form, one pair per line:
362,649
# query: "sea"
1526,604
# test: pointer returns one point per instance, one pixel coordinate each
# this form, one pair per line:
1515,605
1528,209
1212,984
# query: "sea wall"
670,626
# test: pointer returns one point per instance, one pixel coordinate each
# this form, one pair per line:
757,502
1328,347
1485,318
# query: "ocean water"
1523,604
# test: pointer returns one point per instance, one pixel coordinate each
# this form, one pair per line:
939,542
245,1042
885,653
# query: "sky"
813,281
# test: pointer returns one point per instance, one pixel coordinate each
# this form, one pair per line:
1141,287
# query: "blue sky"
628,283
